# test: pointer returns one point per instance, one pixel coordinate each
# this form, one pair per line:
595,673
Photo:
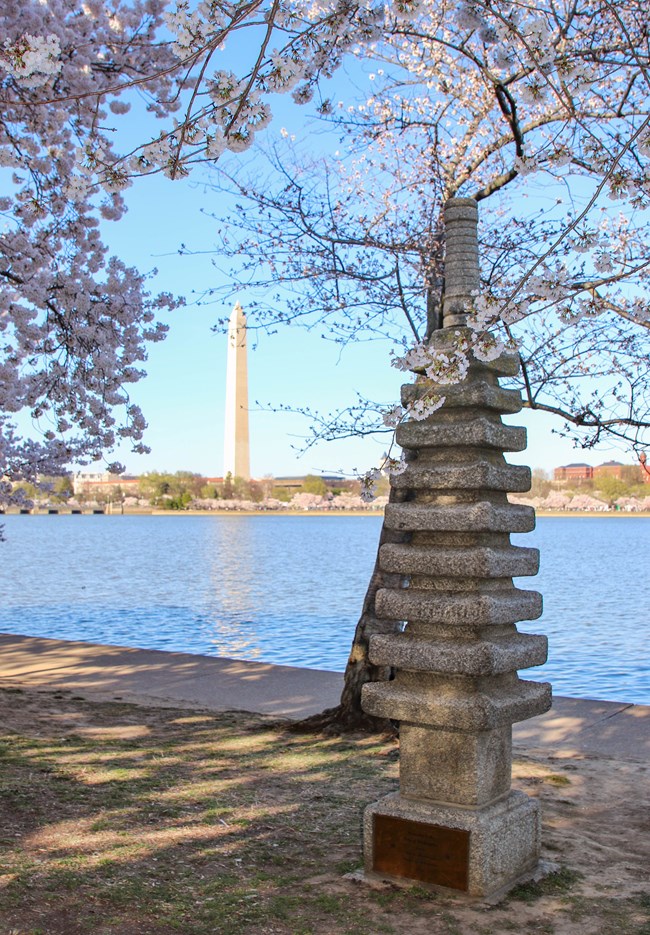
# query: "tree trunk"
348,714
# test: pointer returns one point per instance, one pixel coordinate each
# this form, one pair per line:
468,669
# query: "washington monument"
236,445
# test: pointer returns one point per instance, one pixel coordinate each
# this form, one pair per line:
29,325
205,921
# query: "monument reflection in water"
235,581
266,579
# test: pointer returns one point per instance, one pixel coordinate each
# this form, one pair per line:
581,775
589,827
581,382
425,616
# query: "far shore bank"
63,511
587,513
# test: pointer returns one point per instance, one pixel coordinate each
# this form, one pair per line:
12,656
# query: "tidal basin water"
289,589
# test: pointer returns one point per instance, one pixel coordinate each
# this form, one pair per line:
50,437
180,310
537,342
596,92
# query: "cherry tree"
541,113
74,321
469,98
538,111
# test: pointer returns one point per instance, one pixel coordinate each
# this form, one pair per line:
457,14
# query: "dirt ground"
125,820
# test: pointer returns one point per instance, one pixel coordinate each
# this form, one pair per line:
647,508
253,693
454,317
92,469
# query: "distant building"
574,472
332,480
84,483
631,473
88,482
612,469
580,472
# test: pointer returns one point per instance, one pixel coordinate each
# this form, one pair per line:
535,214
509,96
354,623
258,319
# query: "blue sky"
184,392
183,395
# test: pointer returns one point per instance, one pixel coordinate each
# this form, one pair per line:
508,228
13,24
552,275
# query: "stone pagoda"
455,822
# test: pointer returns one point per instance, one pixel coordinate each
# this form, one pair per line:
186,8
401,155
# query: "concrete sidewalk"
572,727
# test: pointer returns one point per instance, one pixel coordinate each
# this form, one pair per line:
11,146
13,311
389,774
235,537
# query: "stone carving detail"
456,692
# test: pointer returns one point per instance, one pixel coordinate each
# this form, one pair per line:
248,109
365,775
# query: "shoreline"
68,512
214,682
590,513
639,514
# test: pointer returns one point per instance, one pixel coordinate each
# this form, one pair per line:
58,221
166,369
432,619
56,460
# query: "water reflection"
234,575
289,588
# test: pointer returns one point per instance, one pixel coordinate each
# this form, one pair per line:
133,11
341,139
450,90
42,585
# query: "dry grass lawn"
125,820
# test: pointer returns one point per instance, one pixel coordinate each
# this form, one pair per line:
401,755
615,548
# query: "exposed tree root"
342,720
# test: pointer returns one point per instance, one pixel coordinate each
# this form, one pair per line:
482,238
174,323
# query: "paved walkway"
572,727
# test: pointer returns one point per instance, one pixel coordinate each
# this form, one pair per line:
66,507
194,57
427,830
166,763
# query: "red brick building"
574,472
580,472
611,469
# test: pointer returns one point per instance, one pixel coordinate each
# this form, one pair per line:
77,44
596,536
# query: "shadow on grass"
125,820
163,820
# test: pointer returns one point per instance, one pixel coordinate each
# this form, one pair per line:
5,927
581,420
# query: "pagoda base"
481,852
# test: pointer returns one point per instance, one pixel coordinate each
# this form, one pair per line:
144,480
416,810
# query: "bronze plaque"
418,851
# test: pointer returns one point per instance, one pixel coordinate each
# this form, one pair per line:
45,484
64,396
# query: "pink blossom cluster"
74,321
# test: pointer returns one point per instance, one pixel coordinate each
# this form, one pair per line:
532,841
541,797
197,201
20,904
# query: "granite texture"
474,475
461,608
470,396
470,768
466,711
462,562
481,516
478,431
477,659
455,657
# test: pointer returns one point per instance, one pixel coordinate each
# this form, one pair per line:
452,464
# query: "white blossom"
487,348
395,466
425,406
32,60
392,417
368,483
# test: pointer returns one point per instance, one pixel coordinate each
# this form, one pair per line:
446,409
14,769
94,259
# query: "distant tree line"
54,489
179,490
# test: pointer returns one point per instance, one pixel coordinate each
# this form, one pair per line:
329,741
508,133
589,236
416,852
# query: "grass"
561,882
118,820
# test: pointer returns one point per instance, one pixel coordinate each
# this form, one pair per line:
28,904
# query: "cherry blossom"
368,483
392,417
31,59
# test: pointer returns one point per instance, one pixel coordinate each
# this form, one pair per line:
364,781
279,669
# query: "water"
289,589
